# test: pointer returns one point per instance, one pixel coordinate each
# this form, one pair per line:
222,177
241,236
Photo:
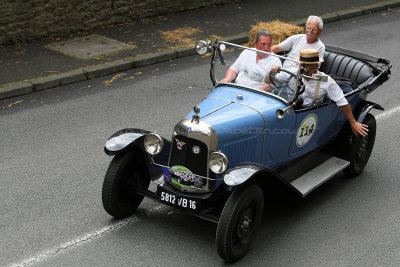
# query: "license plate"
179,201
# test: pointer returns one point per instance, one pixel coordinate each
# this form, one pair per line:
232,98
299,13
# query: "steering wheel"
281,88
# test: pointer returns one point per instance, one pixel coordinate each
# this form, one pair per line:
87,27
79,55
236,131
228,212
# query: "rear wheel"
239,222
361,148
125,176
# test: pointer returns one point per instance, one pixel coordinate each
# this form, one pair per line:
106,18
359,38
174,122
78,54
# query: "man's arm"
356,127
267,87
229,76
276,49
267,80
276,69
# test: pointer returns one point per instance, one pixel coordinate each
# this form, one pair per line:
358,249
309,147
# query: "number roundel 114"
306,130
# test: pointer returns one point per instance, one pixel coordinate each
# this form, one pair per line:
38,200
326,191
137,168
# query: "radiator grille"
182,154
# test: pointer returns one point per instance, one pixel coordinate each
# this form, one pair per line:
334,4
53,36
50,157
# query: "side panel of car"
279,135
309,131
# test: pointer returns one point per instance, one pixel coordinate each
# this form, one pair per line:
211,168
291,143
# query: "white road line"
44,255
388,113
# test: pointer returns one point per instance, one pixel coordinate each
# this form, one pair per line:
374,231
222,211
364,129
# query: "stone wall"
26,20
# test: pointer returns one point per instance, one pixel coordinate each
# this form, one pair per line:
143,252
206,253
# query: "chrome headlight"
202,47
218,162
153,143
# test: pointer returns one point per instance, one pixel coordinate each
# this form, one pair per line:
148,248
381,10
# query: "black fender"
364,108
360,112
346,137
133,138
249,172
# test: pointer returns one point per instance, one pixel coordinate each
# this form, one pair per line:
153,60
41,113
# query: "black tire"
239,221
125,175
361,148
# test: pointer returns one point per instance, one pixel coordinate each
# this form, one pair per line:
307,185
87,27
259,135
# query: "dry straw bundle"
279,31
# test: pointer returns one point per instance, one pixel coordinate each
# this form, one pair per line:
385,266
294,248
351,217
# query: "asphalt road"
52,166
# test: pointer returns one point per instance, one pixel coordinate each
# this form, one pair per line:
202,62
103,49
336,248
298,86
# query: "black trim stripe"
310,59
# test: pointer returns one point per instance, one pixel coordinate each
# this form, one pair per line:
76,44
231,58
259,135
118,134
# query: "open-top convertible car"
222,155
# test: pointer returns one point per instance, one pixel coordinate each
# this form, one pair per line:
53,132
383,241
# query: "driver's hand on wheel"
276,68
272,74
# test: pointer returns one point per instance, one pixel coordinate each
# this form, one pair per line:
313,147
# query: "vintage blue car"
225,153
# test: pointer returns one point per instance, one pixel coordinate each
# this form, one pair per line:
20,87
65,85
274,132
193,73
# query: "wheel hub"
245,223
244,226
362,147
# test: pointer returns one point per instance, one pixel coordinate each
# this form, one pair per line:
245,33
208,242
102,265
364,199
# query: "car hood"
234,112
240,117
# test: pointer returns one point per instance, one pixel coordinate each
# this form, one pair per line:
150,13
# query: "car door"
309,130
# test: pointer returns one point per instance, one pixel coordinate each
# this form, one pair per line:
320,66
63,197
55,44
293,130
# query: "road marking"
44,255
388,113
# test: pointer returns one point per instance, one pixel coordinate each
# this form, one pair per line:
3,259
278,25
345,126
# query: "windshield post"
298,85
215,50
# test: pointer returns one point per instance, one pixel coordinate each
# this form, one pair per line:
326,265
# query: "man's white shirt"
294,44
250,72
330,88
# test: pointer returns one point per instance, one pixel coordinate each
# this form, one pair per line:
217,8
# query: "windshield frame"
254,90
295,88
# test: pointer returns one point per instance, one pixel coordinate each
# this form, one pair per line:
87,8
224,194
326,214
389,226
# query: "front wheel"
125,176
361,148
239,222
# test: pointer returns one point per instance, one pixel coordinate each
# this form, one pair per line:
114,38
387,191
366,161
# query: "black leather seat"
346,67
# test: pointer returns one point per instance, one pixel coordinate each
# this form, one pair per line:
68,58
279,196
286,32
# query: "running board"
319,175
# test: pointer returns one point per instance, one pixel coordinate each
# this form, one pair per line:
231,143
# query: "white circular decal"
306,129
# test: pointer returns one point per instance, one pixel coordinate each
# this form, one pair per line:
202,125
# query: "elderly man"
251,67
315,91
294,44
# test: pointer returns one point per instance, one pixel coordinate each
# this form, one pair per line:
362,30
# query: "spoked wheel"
125,176
361,148
239,221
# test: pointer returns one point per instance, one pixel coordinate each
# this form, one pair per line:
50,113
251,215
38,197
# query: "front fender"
123,139
132,138
247,172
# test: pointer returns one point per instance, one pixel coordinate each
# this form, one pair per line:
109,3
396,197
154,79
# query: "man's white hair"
316,19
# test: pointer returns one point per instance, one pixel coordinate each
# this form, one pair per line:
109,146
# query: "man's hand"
267,87
359,128
225,80
271,74
229,76
356,127
275,68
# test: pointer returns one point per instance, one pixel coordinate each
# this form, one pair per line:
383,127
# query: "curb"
78,75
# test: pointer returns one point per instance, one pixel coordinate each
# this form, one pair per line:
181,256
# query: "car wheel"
125,175
239,221
361,148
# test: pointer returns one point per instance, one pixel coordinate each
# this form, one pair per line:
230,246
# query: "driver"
251,67
315,91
